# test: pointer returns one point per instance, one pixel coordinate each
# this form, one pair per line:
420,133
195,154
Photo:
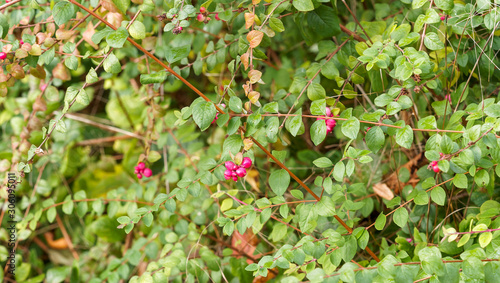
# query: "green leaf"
482,178
153,78
404,137
460,181
418,3
350,128
276,24
430,258
91,76
303,5
174,54
63,12
51,214
315,92
137,30
318,132
279,181
294,124
117,38
438,195
375,139
401,217
203,114
323,162
122,5
339,171
112,65
235,104
445,5
485,239
380,222
432,41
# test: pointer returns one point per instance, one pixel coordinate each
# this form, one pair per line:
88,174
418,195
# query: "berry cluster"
203,16
434,166
141,170
330,123
234,171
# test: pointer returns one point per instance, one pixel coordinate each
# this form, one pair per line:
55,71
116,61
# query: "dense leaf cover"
240,141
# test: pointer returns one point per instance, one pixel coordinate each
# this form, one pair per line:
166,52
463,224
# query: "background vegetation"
371,129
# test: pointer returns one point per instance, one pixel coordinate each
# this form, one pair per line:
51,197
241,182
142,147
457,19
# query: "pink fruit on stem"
246,163
216,117
328,112
241,172
200,18
141,166
139,176
435,168
233,173
235,178
136,170
203,9
228,174
330,122
442,18
217,17
148,173
328,129
43,87
3,55
230,165
21,42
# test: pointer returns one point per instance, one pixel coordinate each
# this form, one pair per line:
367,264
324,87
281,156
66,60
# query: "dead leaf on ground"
383,191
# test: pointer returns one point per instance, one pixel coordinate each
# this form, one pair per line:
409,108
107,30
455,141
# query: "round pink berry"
21,42
141,166
217,17
147,173
200,17
43,87
228,174
330,123
3,55
136,170
246,163
328,112
203,9
442,18
139,176
435,168
241,172
329,129
235,178
230,165
441,154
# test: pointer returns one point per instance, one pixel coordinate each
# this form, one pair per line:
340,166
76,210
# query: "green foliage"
364,140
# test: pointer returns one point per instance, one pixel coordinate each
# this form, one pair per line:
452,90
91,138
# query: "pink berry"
235,178
233,173
435,168
331,123
3,55
328,112
241,172
43,87
442,18
141,166
441,154
200,17
180,29
367,129
217,17
246,163
203,10
230,165
147,173
433,163
228,174
139,176
329,129
216,117
136,170
21,42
